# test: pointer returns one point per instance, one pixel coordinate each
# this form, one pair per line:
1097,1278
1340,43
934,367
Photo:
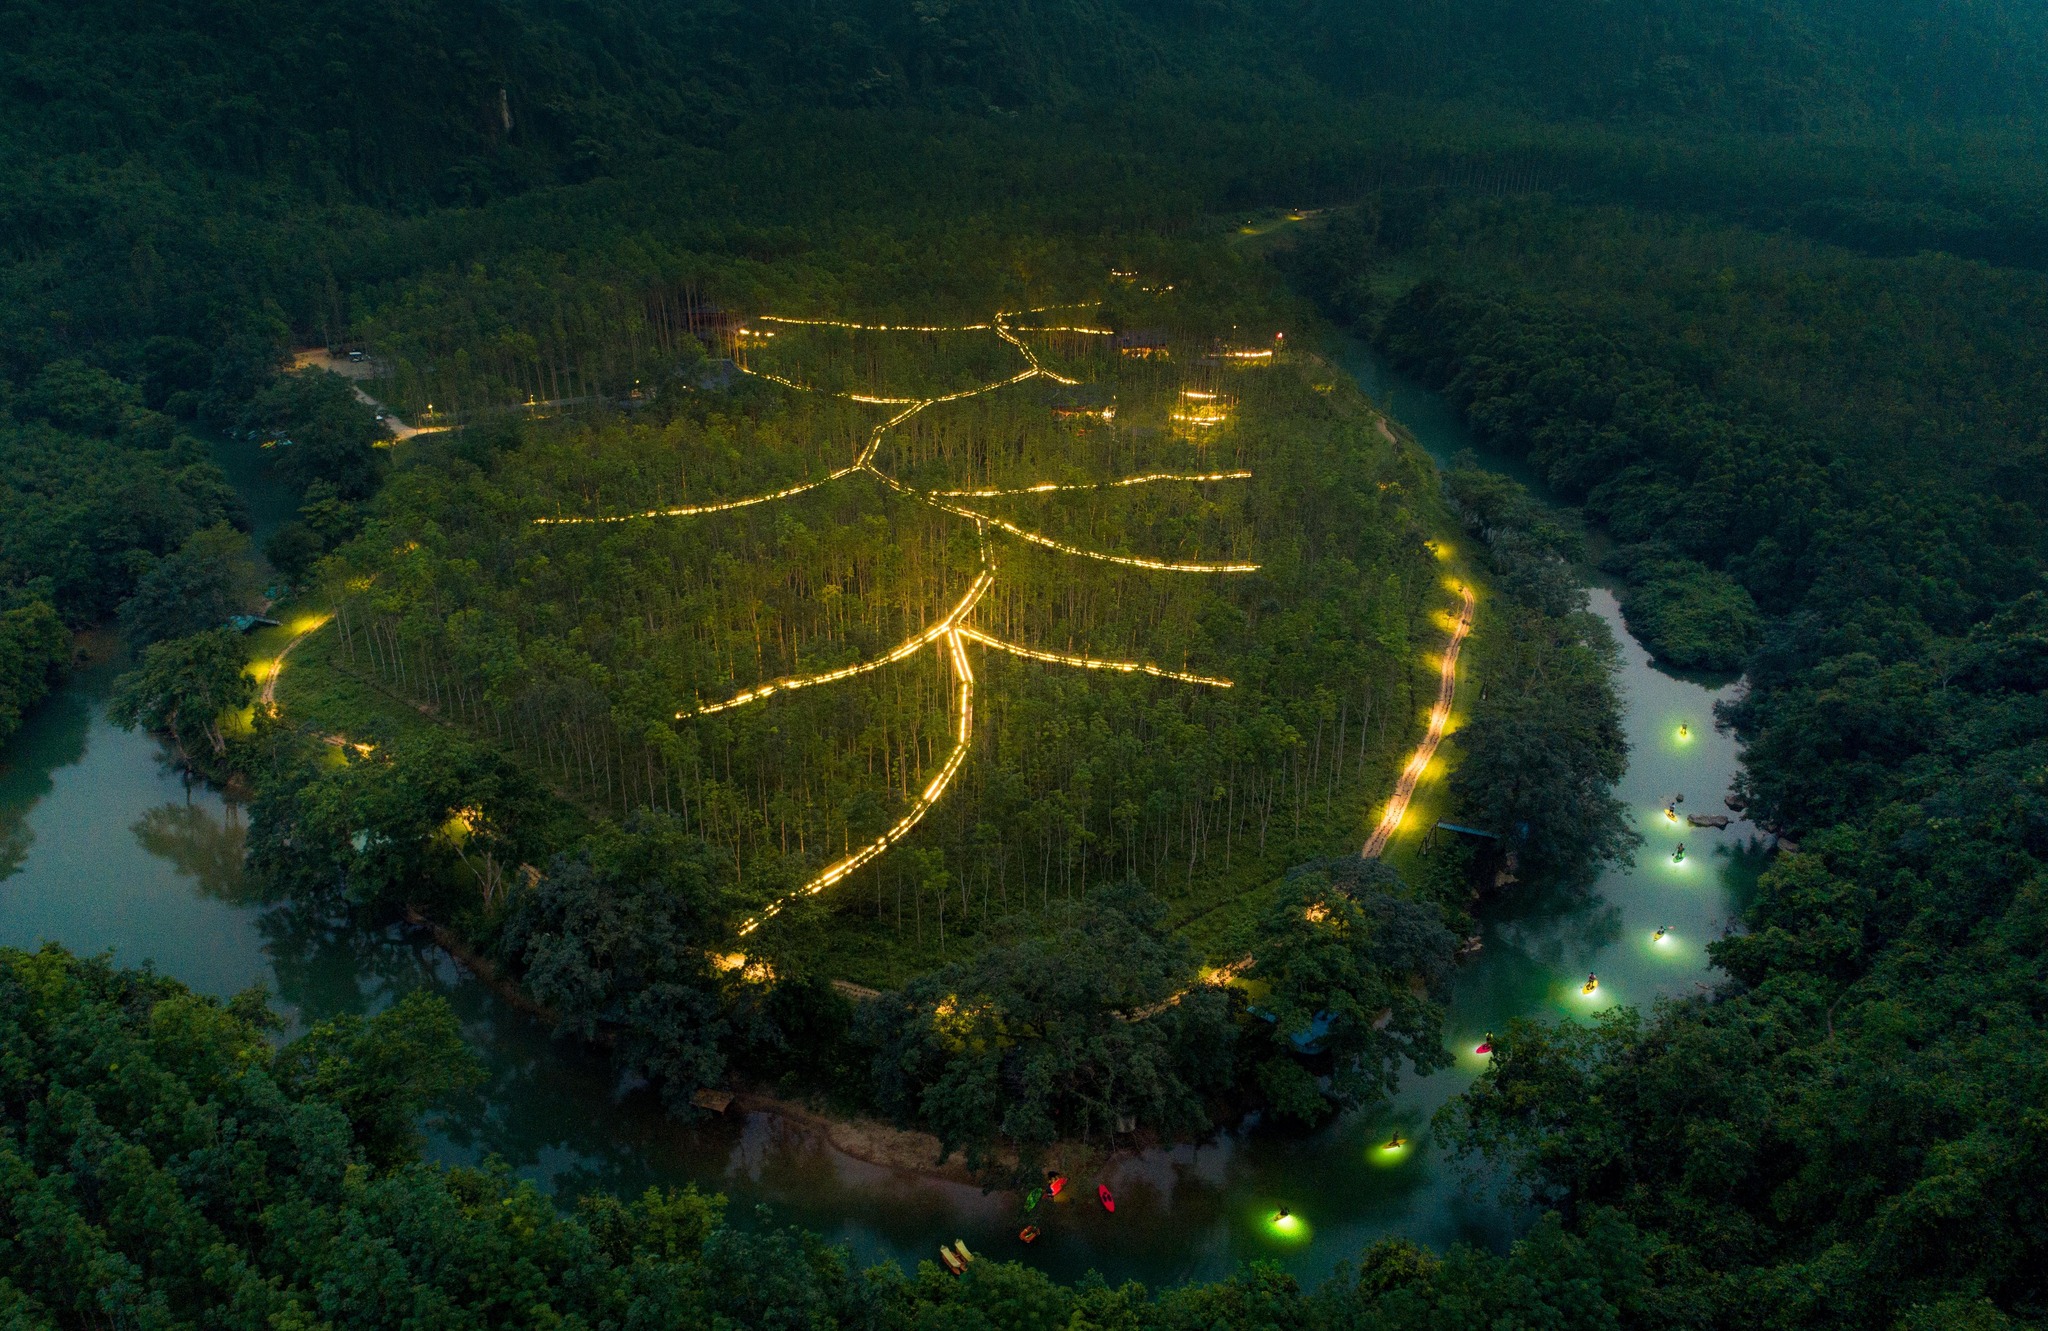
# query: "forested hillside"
1756,284
1814,465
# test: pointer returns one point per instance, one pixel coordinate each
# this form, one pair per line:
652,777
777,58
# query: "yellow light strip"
948,630
1063,328
873,328
1439,718
875,400
692,510
1029,355
1090,662
1048,487
1042,309
963,732
1128,561
906,648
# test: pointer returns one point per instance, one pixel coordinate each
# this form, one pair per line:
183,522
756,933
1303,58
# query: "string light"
950,632
1049,487
963,733
1439,718
1035,538
909,647
694,510
872,328
1091,663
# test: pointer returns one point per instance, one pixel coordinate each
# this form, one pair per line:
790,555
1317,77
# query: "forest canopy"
1755,285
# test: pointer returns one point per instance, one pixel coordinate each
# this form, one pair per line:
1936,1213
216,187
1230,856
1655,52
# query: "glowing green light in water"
1284,1224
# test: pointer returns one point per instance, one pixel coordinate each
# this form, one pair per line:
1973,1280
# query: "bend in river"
103,847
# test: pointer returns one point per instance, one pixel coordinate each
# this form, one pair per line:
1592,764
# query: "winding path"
1439,717
269,695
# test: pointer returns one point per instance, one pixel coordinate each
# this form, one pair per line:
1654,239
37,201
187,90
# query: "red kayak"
1054,1184
1484,1049
1108,1197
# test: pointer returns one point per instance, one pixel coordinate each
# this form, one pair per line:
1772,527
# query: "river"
104,848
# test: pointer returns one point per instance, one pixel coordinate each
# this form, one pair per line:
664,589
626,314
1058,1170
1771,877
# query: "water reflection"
201,844
15,840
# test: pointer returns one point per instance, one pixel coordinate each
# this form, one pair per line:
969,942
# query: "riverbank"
117,855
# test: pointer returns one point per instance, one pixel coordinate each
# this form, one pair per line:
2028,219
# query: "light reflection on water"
103,847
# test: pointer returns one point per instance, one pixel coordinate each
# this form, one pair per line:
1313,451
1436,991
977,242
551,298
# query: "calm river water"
103,848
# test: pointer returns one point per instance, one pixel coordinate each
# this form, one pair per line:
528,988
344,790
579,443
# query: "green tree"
333,435
195,588
33,648
1076,1034
382,1072
620,938
1353,971
183,687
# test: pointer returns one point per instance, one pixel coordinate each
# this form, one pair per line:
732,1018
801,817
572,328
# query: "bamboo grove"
579,643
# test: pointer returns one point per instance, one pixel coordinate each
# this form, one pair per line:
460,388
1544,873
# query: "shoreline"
867,1140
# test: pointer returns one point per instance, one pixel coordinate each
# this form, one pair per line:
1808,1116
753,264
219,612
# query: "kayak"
1055,1183
953,1264
1485,1048
960,1247
1031,1199
1108,1198
1029,1233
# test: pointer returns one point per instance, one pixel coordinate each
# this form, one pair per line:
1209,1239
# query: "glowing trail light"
1439,717
1050,487
1036,538
874,328
909,647
1003,332
695,510
963,732
1091,663
950,633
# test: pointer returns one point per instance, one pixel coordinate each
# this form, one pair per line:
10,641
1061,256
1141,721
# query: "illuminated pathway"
951,634
1439,717
269,695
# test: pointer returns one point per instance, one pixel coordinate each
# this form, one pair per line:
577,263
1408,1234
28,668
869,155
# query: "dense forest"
1755,286
1811,463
